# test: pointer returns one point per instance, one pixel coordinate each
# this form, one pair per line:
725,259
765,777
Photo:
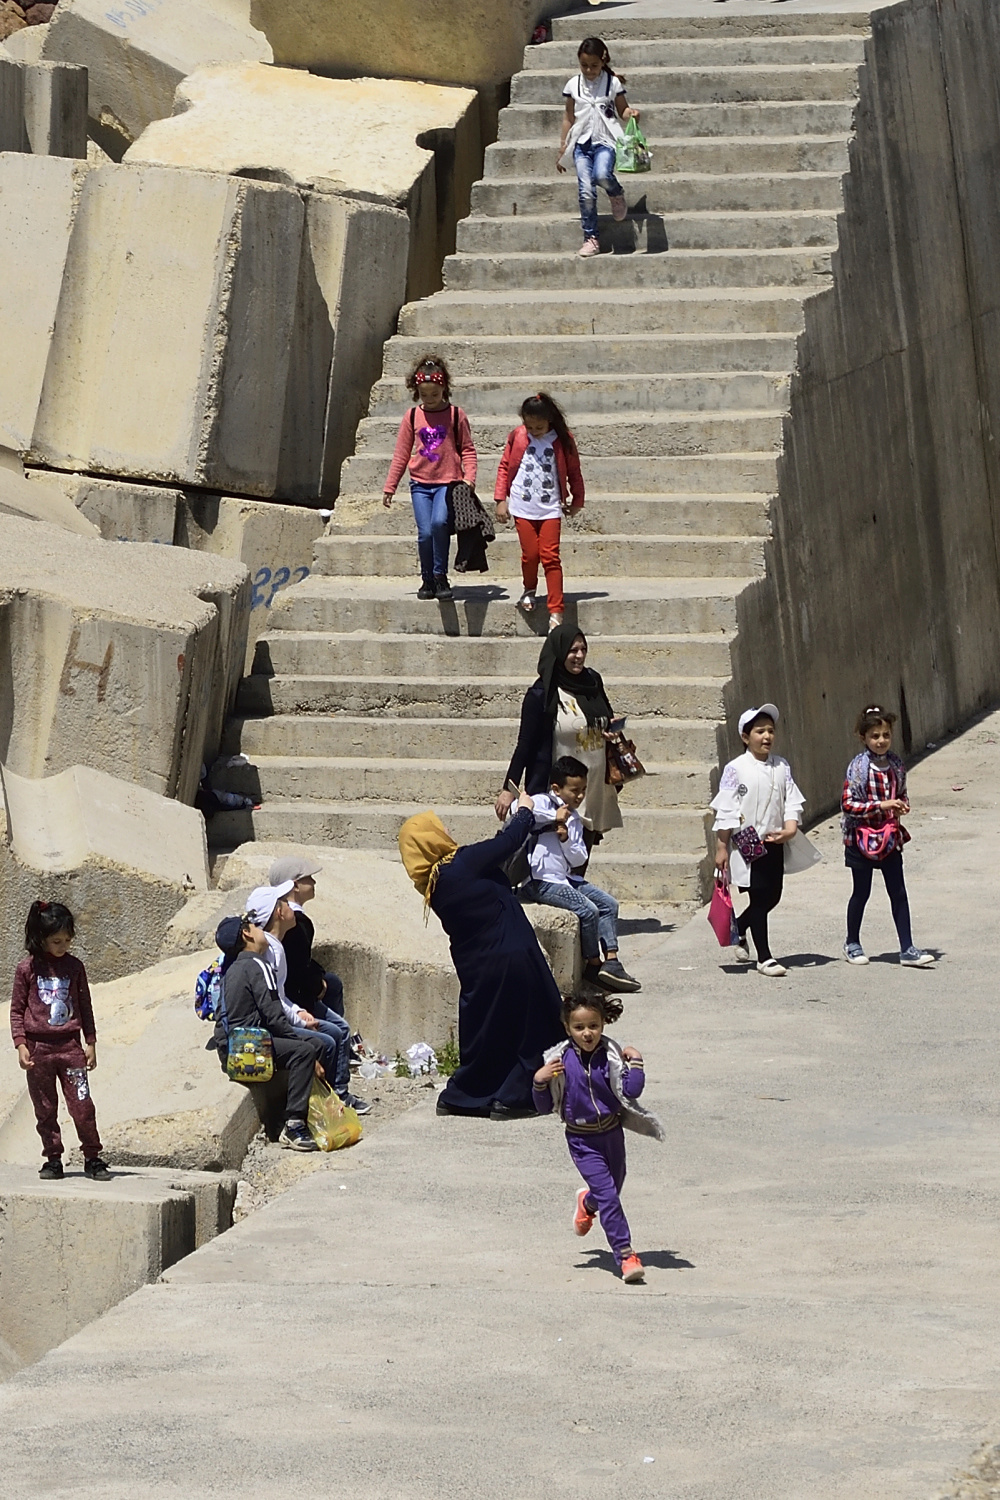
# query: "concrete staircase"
672,356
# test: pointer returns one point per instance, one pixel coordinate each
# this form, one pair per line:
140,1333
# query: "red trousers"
540,542
65,1061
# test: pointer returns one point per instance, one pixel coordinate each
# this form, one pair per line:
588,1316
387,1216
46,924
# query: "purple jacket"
589,1102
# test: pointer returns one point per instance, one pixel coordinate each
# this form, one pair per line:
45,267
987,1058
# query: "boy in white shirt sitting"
559,850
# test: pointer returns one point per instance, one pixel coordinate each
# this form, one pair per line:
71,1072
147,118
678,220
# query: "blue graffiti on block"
267,583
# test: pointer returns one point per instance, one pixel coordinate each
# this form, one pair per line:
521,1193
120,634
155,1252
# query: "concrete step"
373,825
711,84
659,741
511,358
496,697
570,312
708,473
310,653
679,123
608,515
468,783
651,877
650,233
662,606
607,434
737,191
712,49
606,391
637,23
532,153
808,269
590,554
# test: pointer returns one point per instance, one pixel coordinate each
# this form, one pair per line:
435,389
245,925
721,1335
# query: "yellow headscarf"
425,845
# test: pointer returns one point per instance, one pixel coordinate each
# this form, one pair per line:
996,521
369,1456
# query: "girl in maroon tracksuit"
50,1009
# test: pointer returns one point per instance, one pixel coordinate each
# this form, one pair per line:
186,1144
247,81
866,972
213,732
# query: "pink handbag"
721,917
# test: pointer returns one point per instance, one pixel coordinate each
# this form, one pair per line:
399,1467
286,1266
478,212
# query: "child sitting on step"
595,103
538,473
558,851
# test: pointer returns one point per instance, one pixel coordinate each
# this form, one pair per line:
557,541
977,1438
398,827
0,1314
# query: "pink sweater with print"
426,442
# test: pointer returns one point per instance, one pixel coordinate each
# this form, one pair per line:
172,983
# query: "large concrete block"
40,499
411,145
137,53
75,1248
477,43
121,857
117,510
274,541
39,197
203,269
125,661
43,107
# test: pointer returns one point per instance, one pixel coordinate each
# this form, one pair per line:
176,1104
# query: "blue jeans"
595,167
430,511
335,1034
598,912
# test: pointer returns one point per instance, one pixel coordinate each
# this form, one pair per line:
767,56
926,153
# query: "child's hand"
503,511
318,1069
894,805
632,1054
562,816
524,801
387,499
559,157
24,1056
90,1053
631,114
562,834
548,1071
305,1019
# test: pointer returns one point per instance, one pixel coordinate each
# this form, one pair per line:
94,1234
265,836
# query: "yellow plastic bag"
331,1124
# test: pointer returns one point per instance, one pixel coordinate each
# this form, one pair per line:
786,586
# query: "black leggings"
767,876
892,873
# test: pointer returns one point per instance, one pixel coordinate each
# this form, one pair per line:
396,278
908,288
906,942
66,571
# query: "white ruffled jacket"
760,794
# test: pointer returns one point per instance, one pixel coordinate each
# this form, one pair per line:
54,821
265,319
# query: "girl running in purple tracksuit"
594,1087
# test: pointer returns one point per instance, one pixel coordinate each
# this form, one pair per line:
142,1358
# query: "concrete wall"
882,580
126,659
43,107
137,54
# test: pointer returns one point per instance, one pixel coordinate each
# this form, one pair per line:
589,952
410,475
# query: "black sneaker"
427,591
52,1171
354,1101
96,1169
612,976
442,589
296,1137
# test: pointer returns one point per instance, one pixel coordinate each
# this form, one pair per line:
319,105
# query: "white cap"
262,901
749,714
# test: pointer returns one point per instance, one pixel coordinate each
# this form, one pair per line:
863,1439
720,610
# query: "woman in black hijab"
564,712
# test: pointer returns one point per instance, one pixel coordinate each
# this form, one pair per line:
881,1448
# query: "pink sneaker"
583,1222
589,247
619,208
633,1269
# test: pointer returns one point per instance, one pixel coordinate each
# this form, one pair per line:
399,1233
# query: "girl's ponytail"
593,46
548,410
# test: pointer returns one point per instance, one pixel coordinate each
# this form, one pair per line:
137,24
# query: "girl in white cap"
757,812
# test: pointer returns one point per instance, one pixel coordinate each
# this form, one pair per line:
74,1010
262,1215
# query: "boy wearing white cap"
269,908
757,812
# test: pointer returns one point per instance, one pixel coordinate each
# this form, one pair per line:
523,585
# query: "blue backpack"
207,991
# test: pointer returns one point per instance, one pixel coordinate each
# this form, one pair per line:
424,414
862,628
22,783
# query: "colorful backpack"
207,988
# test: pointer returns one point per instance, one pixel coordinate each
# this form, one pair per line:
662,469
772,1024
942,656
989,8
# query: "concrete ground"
821,1317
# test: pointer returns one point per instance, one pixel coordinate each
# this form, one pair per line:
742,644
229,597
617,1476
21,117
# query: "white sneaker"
742,954
772,969
916,958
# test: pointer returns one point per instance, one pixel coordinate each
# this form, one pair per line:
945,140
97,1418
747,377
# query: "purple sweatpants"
600,1160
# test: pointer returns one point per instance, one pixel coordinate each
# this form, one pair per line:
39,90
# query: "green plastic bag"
631,152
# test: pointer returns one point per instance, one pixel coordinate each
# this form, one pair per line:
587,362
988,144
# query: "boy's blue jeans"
335,1034
595,167
430,511
598,912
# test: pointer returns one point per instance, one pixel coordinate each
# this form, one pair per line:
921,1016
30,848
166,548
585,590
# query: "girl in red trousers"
538,473
50,1010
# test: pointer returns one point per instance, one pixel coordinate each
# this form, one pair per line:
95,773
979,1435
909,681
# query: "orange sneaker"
633,1269
583,1222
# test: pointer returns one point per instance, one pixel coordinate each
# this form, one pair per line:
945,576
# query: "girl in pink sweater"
435,442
